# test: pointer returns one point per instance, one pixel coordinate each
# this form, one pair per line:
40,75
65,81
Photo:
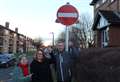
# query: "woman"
21,71
40,68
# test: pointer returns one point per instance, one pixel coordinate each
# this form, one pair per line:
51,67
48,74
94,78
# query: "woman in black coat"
40,68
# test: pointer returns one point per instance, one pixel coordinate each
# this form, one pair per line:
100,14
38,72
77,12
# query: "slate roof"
1,26
111,16
94,2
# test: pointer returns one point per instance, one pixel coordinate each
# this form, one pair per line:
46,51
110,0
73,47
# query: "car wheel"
13,63
7,65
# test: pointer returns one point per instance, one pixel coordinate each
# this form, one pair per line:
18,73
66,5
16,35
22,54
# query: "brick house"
12,41
106,24
6,39
1,38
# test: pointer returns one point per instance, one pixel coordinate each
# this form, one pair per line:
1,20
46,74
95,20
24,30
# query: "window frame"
97,5
105,37
103,1
112,1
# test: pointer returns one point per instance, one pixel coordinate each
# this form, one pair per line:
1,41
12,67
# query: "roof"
7,28
94,2
1,26
111,16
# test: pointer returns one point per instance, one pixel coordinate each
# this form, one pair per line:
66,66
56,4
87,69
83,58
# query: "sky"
36,18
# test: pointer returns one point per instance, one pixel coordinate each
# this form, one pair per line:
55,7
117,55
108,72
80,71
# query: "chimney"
7,24
16,29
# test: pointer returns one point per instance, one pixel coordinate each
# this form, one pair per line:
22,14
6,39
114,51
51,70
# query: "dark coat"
63,66
41,71
64,62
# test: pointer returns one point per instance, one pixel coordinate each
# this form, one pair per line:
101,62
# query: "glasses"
60,45
39,53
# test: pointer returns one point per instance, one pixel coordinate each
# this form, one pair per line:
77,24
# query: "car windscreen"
4,58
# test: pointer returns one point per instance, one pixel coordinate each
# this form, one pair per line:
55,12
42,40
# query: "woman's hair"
35,56
20,58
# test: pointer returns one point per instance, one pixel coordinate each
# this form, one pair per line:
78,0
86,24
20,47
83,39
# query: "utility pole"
52,38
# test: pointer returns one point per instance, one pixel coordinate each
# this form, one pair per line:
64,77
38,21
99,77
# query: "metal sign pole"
67,15
53,39
66,38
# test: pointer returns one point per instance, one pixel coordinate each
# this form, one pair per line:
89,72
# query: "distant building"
12,41
106,23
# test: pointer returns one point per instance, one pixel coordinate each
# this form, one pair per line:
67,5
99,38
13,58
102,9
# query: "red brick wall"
114,36
98,39
114,5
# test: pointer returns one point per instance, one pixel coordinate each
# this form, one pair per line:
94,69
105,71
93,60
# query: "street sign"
67,14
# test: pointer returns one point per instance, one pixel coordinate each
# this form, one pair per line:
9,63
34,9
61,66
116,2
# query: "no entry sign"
67,14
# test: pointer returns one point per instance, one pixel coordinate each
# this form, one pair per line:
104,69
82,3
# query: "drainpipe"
118,5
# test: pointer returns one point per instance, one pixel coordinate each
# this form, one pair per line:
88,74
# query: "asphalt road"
5,74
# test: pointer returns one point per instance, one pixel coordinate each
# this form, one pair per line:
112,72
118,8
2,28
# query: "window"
103,1
1,50
104,37
112,0
102,23
97,5
1,41
6,32
15,35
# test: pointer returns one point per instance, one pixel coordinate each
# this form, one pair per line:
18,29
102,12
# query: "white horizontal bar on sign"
67,15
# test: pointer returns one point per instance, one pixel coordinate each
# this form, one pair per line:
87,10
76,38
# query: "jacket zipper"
61,70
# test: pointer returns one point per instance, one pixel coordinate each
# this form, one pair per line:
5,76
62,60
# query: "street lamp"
52,38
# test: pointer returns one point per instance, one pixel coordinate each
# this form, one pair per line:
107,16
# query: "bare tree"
61,37
81,33
38,42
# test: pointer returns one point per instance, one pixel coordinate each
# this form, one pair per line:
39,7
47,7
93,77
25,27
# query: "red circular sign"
67,14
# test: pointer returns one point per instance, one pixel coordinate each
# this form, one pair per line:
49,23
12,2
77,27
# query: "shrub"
98,65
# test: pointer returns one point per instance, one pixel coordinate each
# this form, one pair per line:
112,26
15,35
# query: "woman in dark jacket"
40,68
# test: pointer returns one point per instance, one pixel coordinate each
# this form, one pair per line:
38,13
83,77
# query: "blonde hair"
20,57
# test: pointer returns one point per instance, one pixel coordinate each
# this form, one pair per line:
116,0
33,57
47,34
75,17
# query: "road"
5,73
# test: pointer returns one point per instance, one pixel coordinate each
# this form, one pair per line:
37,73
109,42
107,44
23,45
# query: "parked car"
7,60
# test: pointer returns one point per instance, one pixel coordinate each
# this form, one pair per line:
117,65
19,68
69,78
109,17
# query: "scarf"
24,68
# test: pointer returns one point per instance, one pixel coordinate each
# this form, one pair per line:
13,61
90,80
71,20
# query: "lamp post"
52,38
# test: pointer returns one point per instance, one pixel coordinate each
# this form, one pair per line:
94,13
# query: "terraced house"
106,22
12,41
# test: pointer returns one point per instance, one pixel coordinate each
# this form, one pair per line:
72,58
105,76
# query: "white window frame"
103,1
104,37
97,5
102,23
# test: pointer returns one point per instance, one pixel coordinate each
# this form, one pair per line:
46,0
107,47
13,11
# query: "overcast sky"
36,18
